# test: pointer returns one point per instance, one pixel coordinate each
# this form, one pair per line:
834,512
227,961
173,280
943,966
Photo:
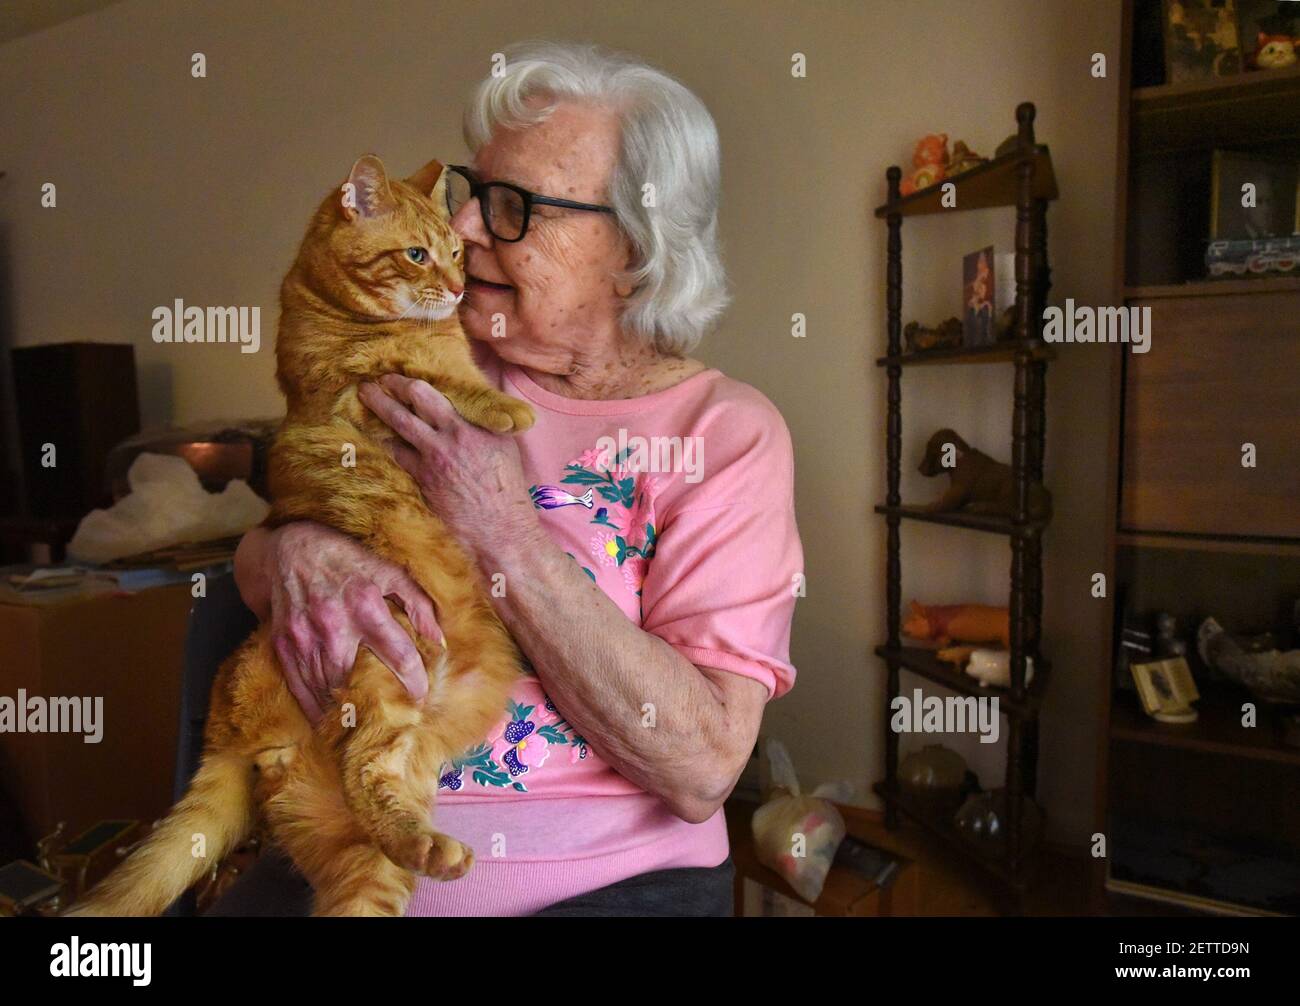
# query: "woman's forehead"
577,144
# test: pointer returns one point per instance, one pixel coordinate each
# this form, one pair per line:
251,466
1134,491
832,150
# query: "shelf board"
1220,112
1217,731
1209,543
935,821
921,661
992,184
999,352
1215,288
972,521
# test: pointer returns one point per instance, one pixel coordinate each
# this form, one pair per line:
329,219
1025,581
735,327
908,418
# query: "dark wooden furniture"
1185,809
79,399
846,894
126,650
1022,178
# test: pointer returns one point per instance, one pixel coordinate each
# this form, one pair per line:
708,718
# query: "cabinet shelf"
924,662
1209,543
1243,109
1217,730
1215,288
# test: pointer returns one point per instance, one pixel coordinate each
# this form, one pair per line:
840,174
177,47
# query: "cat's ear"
366,192
432,181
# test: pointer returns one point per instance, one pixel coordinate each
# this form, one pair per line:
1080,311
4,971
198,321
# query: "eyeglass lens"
503,207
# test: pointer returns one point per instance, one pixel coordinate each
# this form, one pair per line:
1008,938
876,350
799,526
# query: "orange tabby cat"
373,291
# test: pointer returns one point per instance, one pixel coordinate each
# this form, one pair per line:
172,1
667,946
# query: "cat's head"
1275,51
383,248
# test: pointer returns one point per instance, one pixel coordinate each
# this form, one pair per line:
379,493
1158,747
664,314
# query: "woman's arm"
677,730
251,574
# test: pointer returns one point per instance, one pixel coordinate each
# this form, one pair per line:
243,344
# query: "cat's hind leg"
312,822
390,774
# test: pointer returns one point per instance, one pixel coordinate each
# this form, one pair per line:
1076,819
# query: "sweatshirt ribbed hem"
504,887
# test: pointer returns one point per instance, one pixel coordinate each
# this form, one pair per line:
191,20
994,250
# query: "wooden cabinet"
1222,372
1203,814
126,649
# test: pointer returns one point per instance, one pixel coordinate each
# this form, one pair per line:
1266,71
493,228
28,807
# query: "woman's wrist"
252,571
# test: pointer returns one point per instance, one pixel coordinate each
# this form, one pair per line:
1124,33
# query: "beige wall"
174,187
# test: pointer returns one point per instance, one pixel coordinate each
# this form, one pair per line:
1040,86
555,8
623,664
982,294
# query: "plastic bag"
167,506
795,835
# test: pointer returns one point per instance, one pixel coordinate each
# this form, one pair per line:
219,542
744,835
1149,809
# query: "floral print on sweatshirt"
619,504
516,749
624,535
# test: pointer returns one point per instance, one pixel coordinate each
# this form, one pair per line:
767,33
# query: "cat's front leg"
486,407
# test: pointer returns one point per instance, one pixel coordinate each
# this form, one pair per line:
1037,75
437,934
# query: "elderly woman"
640,538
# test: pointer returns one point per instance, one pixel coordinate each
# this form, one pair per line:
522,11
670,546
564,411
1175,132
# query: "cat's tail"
214,816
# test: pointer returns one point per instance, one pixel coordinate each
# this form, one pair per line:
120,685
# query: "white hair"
668,141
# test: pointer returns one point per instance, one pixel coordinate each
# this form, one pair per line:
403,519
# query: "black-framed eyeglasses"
506,208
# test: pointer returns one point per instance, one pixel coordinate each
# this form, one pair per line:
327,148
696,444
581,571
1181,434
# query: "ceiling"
22,17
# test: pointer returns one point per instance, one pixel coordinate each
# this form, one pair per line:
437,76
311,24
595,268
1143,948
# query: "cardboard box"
124,649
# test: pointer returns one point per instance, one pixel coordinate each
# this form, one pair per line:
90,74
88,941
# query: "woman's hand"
471,478
327,596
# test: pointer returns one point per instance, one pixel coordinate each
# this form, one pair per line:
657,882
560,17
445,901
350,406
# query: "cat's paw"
508,415
448,859
431,853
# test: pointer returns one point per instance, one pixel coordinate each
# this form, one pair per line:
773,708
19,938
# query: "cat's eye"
417,255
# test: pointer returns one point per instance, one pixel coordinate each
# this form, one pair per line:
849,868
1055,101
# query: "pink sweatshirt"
694,538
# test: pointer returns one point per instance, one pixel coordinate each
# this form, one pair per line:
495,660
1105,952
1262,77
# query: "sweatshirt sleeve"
728,562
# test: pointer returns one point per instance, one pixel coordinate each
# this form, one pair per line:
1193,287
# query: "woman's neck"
629,372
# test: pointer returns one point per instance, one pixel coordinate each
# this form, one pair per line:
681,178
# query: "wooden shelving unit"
1024,179
1192,532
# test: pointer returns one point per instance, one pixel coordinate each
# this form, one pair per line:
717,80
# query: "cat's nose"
455,291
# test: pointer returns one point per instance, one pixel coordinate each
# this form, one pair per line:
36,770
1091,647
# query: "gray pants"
272,887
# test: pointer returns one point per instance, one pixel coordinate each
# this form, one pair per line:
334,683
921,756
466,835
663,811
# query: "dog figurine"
979,484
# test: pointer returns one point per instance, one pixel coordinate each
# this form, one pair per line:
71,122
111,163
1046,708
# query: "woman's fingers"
401,420
390,643
408,459
292,670
423,398
415,602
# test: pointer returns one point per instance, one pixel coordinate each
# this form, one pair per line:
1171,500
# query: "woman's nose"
468,223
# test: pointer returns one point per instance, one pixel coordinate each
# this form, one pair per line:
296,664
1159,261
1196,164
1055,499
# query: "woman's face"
550,300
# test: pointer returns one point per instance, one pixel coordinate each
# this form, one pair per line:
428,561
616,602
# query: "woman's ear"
623,285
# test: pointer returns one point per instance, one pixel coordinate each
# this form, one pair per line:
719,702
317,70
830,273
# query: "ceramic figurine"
1270,675
978,484
993,667
1272,52
918,338
929,163
963,159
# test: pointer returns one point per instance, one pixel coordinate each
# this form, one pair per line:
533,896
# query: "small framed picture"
979,286
1167,689
1253,197
1201,40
